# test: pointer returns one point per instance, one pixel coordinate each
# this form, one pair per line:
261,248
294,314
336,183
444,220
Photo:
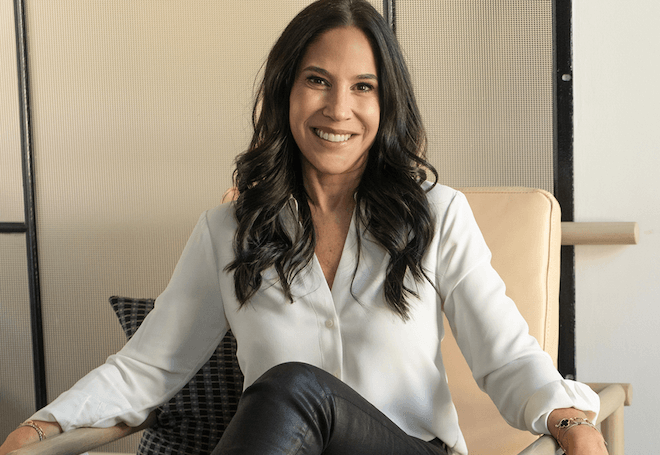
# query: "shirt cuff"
556,395
74,409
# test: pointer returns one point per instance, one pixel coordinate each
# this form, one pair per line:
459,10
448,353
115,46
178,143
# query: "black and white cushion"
193,420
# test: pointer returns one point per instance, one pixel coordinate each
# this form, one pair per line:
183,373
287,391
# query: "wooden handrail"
605,233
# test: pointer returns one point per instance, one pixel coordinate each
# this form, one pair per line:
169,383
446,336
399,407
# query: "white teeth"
332,137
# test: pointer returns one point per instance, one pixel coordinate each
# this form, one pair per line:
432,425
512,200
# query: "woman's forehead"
344,48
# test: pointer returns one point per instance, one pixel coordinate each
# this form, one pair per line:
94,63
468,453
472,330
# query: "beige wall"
617,161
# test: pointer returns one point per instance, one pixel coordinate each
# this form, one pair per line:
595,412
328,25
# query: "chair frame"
613,397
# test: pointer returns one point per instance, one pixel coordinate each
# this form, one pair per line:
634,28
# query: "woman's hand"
584,440
25,435
579,439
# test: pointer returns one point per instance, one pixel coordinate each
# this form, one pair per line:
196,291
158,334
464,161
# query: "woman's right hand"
25,435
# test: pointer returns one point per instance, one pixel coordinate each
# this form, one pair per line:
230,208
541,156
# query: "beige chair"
523,229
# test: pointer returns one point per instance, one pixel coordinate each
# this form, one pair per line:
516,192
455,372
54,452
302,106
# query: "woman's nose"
338,105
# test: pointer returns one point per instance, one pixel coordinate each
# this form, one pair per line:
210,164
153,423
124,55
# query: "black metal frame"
13,228
563,186
29,227
563,112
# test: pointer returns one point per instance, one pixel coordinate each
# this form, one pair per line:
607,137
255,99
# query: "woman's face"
334,106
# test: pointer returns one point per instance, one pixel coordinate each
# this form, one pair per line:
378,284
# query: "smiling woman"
333,269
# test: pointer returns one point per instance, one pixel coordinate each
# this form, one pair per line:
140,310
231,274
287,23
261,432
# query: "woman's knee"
292,385
290,376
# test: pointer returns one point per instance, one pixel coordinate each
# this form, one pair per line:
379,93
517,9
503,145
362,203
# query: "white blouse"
348,331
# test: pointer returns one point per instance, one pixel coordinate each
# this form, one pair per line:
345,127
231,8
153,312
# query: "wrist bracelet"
565,425
38,429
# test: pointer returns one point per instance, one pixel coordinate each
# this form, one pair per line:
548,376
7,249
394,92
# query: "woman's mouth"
332,137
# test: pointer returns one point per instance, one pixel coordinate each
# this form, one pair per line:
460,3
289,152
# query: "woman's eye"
364,87
317,80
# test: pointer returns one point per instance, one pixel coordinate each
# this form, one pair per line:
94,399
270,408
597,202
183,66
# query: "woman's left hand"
584,440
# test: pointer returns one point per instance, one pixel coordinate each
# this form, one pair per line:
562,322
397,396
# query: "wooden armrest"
82,440
599,387
606,233
545,445
612,399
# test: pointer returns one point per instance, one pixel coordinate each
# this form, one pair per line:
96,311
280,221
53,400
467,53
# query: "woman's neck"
331,204
329,194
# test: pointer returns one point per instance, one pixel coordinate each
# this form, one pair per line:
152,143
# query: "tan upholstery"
522,227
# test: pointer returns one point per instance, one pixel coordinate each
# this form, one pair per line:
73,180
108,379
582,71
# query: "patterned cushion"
194,419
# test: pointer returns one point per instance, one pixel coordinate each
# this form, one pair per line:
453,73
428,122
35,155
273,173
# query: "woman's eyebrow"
368,76
318,69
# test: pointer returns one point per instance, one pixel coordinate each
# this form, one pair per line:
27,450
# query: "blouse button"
329,323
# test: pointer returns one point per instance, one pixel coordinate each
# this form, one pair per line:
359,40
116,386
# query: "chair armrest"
82,440
545,445
612,399
612,395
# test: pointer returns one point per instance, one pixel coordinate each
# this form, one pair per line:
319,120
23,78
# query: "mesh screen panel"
17,398
11,187
483,77
16,377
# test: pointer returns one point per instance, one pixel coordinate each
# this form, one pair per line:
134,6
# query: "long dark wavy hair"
390,202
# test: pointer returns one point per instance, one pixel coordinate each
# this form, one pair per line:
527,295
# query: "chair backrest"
522,227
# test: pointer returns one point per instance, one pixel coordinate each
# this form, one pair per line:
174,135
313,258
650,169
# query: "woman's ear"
230,195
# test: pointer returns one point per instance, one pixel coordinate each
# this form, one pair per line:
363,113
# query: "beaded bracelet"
32,424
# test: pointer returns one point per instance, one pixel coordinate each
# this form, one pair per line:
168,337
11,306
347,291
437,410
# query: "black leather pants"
295,408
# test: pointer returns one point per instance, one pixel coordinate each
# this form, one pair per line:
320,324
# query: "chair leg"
612,429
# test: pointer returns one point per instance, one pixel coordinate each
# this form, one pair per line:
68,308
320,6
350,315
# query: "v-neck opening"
345,260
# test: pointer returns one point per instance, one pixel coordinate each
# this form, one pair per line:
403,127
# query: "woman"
333,269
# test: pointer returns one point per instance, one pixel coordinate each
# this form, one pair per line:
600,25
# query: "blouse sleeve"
173,342
506,361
